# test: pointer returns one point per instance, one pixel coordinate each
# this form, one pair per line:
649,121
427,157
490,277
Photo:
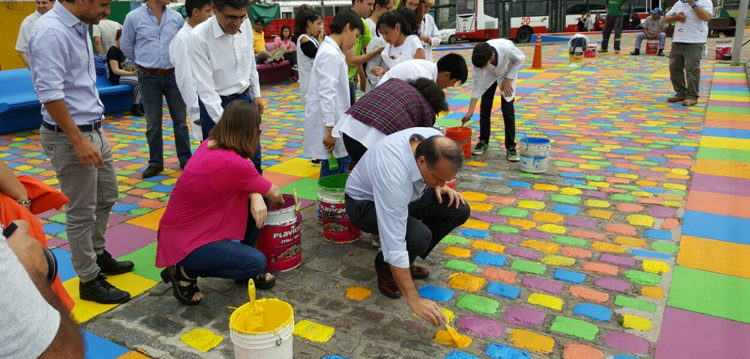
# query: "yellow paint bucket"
272,339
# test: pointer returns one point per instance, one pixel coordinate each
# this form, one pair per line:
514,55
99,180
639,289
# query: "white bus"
519,19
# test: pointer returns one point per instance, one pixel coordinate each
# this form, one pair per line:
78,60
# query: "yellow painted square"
85,310
296,167
149,220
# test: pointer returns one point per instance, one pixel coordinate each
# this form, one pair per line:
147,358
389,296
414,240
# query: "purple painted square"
612,284
537,234
621,261
524,316
545,285
595,194
125,238
691,335
531,194
523,253
507,238
488,218
629,343
581,222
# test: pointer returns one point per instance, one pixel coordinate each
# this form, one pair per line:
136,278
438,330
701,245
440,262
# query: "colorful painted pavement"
630,246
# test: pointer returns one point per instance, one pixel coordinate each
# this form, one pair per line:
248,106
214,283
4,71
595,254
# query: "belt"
156,71
237,95
84,128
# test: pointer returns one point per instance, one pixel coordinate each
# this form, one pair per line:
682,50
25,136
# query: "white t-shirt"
693,30
371,25
394,55
24,32
107,30
29,322
412,70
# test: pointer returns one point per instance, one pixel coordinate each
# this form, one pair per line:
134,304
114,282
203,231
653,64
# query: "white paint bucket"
534,154
266,344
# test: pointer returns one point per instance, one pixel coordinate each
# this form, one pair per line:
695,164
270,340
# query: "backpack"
578,44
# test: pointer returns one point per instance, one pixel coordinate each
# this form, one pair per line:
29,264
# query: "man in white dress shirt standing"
688,45
224,64
24,32
180,52
398,191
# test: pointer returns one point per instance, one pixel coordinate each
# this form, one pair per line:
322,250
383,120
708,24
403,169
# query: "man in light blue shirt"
62,69
146,35
397,190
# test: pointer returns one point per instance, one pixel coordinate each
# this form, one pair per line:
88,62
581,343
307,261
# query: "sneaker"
481,148
100,291
375,240
109,265
689,102
636,52
315,163
660,53
513,155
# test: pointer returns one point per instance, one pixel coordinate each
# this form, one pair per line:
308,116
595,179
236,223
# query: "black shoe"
109,265
604,51
152,171
183,164
135,110
100,291
636,52
660,53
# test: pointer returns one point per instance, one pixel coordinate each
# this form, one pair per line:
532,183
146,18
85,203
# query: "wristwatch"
694,6
8,231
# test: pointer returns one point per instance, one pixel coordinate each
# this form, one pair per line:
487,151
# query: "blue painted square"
617,169
490,174
624,356
436,293
569,276
489,259
163,188
54,228
503,290
565,209
574,181
459,355
502,351
653,190
100,348
124,207
593,311
642,253
334,357
64,264
660,233
519,184
716,226
572,175
474,233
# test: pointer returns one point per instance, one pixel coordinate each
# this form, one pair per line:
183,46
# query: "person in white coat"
449,71
328,95
380,8
180,53
496,62
428,30
309,28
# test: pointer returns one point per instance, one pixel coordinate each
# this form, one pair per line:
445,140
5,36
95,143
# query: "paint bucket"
280,238
723,50
590,52
462,136
337,227
652,47
534,154
452,183
271,341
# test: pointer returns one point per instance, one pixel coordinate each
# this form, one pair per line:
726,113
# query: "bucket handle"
537,129
278,338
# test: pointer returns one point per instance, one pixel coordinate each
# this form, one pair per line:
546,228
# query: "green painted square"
665,247
564,198
710,293
528,175
513,212
574,327
307,188
522,265
505,229
644,278
144,262
146,184
478,304
623,197
463,266
571,241
140,211
59,218
452,239
635,303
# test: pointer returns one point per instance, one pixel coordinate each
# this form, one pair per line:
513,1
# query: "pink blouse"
209,203
288,43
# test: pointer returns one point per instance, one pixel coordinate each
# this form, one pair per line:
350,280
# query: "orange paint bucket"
462,136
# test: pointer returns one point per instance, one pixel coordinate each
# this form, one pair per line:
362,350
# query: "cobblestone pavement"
575,262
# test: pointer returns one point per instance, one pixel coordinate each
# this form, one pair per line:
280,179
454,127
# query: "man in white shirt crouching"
398,191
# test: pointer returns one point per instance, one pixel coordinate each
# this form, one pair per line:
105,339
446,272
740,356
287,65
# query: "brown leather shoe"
689,102
386,284
675,98
152,171
418,272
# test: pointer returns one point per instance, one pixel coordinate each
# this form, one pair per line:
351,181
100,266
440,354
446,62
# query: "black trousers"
427,224
355,148
485,115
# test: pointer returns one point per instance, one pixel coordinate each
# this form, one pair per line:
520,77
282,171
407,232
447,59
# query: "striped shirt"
393,106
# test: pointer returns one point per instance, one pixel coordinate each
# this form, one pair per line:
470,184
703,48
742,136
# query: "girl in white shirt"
428,30
327,97
402,44
309,27
380,8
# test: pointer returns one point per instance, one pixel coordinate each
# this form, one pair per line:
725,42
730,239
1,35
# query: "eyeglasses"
233,18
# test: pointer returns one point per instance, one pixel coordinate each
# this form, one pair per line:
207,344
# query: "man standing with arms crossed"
688,45
146,35
73,139
224,64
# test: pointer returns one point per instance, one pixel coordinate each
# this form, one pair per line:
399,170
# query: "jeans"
613,21
428,222
344,163
354,148
153,88
685,68
509,118
352,92
640,37
208,123
92,192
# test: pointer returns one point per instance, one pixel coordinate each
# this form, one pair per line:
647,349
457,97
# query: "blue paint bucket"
534,154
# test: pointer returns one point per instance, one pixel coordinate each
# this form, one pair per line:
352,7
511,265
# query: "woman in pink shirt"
218,199
285,39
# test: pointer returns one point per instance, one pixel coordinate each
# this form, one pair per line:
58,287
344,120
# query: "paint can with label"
337,226
280,238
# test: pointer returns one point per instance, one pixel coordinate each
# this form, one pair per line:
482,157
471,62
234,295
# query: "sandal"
184,294
262,283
